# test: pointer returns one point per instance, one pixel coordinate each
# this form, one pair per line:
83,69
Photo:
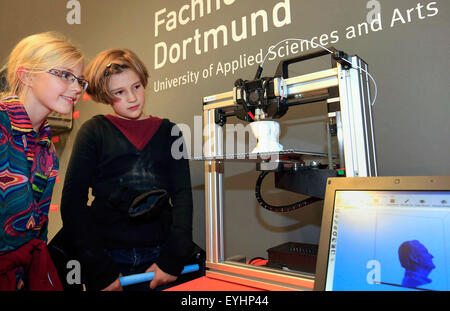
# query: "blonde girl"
44,75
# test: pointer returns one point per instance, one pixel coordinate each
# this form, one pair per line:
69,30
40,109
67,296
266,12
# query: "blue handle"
145,277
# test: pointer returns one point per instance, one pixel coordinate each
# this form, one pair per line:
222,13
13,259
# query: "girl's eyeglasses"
69,77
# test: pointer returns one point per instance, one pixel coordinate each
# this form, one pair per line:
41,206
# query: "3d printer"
345,89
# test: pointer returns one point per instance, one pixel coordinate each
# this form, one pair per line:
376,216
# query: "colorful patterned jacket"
28,169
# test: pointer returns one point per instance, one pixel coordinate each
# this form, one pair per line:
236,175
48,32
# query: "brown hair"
107,63
39,53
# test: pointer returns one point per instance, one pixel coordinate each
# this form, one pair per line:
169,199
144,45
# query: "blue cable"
145,277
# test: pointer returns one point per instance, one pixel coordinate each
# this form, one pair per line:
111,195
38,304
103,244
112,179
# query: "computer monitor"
385,234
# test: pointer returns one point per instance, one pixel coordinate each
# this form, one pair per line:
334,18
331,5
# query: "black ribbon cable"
283,208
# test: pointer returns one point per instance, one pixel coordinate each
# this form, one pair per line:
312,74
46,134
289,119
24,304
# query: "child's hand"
114,286
160,277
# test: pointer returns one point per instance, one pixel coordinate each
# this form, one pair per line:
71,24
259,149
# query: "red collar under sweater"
138,132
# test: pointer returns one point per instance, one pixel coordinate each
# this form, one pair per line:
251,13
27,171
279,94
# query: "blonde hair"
108,63
39,53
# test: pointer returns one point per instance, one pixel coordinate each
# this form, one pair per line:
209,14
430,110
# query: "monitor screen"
389,240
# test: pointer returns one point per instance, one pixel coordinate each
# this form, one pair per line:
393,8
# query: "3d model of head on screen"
417,261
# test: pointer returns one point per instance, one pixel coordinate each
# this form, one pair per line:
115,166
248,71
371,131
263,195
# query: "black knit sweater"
104,159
